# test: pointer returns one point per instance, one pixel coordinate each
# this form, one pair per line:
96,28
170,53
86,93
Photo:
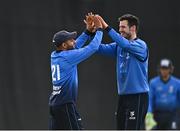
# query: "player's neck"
165,78
133,36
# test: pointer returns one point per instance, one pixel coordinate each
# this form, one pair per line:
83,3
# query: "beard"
126,35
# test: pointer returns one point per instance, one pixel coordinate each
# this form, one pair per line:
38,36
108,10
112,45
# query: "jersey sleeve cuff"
99,29
89,33
108,28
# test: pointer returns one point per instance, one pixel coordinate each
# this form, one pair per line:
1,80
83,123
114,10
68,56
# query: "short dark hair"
132,20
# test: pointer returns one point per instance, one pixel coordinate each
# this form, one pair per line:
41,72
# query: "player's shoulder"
141,42
56,54
175,79
53,54
154,80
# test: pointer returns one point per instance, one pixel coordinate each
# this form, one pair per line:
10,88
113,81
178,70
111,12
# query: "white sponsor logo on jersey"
132,117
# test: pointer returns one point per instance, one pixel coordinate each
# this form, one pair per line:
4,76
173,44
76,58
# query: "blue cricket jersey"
132,63
64,69
164,96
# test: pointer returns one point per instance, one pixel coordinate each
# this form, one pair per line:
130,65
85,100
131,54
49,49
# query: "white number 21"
55,72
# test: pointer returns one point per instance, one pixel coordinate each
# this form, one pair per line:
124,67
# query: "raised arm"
88,33
76,56
135,47
81,40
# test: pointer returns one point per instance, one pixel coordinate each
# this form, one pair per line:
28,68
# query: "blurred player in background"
64,61
164,98
131,54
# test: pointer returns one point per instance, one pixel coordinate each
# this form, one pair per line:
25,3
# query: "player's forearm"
81,54
94,44
121,41
81,40
139,50
92,47
150,107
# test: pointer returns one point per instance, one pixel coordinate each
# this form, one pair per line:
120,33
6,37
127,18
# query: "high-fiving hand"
104,24
89,21
97,22
94,22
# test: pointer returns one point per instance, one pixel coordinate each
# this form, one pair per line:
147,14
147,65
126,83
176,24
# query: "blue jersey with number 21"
64,69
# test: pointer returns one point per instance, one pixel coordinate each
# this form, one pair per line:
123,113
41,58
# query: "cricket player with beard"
131,54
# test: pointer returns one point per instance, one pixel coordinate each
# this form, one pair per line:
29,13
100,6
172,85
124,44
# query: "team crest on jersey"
124,54
171,89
